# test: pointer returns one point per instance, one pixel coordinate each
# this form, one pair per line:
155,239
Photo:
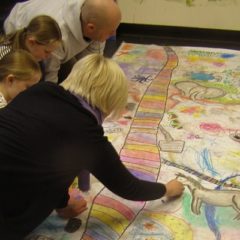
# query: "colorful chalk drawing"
182,120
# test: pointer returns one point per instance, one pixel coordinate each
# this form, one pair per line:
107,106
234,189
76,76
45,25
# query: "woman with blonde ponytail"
41,37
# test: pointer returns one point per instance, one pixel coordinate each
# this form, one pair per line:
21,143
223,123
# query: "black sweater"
46,138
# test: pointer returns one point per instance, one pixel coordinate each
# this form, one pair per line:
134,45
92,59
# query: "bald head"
100,15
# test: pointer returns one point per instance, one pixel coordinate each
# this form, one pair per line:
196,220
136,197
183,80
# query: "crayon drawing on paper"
182,120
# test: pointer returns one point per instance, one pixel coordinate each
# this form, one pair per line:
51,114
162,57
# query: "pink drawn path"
111,215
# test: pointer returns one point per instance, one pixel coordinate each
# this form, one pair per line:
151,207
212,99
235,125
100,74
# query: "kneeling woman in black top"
50,132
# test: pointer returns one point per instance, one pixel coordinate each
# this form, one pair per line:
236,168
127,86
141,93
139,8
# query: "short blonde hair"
101,82
19,63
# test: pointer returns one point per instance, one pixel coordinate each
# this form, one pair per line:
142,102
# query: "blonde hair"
101,82
19,63
44,28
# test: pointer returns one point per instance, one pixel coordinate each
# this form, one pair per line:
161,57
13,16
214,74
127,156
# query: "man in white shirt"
85,26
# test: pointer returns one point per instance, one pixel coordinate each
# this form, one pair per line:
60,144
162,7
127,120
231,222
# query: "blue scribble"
226,179
210,211
52,226
201,76
227,55
205,162
212,222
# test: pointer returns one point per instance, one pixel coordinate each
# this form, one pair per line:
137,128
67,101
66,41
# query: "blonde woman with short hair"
56,136
18,71
100,83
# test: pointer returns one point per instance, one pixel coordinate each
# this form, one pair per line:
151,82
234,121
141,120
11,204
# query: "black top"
46,138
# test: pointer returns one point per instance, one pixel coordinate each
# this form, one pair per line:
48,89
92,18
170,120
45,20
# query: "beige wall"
221,14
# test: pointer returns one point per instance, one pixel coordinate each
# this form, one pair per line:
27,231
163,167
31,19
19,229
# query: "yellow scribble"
235,154
149,110
110,217
178,227
154,97
148,148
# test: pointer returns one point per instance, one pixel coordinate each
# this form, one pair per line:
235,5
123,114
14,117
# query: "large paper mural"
182,120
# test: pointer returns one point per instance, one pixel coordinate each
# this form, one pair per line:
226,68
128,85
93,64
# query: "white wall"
218,14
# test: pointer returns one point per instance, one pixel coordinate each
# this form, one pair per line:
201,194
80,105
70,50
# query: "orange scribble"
127,47
149,226
192,110
156,54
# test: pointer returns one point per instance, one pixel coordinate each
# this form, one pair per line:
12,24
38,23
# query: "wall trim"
180,35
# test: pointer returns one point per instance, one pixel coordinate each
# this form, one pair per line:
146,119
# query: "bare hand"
174,188
73,209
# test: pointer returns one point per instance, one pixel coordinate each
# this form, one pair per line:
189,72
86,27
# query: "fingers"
73,209
81,208
174,188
